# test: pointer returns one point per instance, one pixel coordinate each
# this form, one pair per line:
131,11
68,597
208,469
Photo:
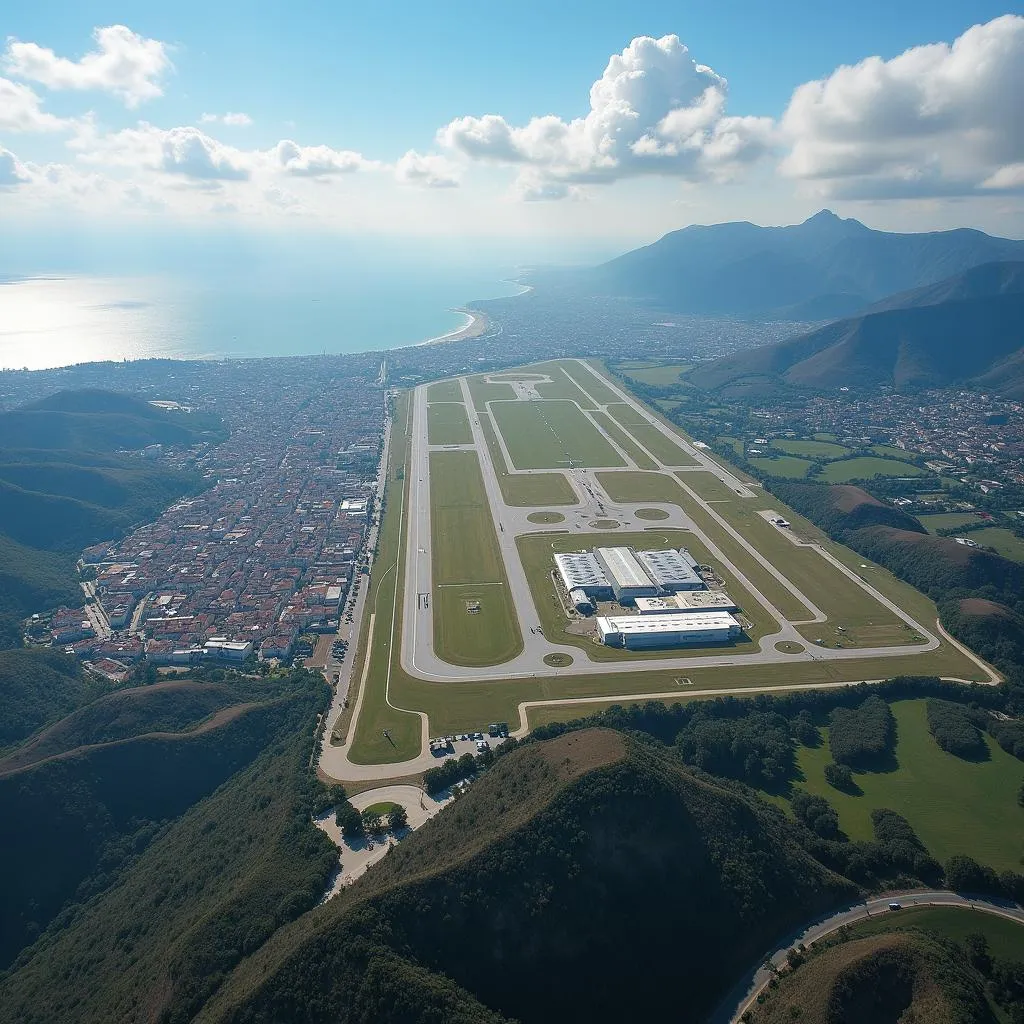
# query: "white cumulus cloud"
316,161
123,63
235,120
940,119
184,152
426,169
655,110
12,171
21,110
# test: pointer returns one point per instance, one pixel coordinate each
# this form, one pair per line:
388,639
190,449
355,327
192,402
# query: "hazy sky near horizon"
537,123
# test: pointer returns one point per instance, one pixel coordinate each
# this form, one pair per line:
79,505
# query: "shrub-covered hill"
904,976
173,706
37,687
70,824
588,877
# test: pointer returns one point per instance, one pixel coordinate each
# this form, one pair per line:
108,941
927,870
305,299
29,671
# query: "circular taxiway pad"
546,517
789,647
558,660
605,524
651,513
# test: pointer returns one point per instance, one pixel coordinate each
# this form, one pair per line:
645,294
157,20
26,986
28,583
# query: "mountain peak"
823,217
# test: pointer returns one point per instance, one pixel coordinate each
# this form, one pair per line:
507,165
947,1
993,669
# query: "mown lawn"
525,489
1007,543
447,423
788,466
816,449
936,521
444,391
546,435
955,806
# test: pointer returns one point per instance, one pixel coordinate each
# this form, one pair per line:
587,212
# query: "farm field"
1005,936
816,449
447,423
658,374
865,467
955,806
788,466
887,451
527,489
546,435
936,521
1005,541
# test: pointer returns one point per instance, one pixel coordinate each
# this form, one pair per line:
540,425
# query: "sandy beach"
476,324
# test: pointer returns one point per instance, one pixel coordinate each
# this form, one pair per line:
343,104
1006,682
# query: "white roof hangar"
670,569
626,575
667,630
580,570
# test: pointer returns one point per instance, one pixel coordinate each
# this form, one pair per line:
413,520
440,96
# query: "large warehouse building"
580,570
671,570
647,631
628,578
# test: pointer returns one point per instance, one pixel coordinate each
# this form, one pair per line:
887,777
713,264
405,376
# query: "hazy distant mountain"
968,328
823,268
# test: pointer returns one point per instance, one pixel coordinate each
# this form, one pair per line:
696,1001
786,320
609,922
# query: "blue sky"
430,118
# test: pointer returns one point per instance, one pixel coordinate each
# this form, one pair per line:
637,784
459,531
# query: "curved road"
747,989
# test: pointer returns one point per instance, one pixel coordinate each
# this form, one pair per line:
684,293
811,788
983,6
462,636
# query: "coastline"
476,325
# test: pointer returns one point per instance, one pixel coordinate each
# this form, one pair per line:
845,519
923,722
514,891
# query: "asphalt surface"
747,989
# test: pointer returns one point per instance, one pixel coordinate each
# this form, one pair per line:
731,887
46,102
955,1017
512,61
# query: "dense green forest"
69,478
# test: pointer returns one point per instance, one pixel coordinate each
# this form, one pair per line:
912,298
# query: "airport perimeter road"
746,991
418,658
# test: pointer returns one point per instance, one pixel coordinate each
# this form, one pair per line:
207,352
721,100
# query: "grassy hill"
523,894
900,976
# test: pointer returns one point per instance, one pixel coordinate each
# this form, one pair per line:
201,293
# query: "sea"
243,302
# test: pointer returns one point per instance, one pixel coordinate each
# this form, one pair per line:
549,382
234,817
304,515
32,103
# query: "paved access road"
746,991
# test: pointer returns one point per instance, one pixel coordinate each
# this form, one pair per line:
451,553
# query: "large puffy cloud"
655,110
12,172
185,152
123,63
316,161
21,110
939,119
426,169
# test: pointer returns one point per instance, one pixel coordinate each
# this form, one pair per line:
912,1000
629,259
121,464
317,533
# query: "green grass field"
1006,542
865,467
444,391
936,521
1005,937
590,381
784,465
707,485
660,446
528,489
563,387
483,393
475,620
887,451
546,435
955,806
447,423
658,374
640,459
815,449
